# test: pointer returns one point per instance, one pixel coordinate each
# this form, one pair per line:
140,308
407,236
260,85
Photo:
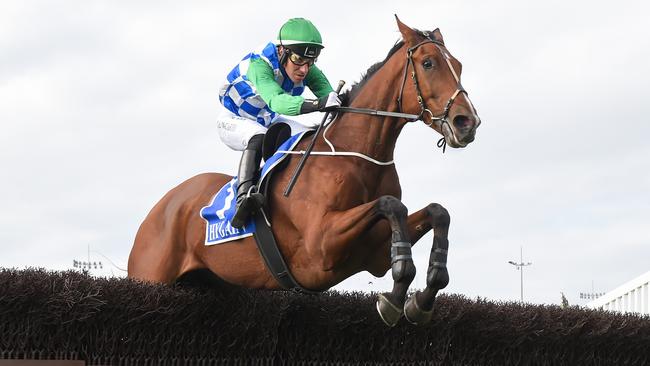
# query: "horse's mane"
348,96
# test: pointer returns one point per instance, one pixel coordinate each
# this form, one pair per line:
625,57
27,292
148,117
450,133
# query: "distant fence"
69,315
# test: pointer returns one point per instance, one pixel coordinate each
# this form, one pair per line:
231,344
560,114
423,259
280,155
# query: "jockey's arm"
261,75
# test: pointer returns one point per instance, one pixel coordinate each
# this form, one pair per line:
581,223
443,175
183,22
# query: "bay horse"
344,215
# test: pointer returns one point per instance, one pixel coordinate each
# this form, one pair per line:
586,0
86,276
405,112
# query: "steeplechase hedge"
70,315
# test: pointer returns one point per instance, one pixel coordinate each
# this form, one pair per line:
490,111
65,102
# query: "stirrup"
248,205
253,198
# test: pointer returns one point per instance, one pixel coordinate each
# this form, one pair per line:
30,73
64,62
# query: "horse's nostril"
462,122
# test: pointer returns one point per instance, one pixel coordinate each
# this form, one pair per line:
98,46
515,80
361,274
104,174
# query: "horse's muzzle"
464,130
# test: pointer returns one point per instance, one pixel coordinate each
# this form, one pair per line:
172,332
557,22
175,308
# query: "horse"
344,215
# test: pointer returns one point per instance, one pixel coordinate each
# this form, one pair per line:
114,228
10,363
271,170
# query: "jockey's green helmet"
301,36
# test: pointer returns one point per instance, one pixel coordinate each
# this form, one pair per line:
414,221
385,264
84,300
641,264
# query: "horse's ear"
437,35
409,35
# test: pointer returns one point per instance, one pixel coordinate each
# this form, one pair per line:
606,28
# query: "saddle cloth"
220,211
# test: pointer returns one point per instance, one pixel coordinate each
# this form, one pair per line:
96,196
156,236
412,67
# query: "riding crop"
301,164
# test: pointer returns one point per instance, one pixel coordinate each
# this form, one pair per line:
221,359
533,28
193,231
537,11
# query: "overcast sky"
105,106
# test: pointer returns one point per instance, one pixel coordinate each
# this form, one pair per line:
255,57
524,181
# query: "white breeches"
236,131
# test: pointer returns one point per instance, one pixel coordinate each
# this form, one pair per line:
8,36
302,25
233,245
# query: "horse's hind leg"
419,307
154,256
390,305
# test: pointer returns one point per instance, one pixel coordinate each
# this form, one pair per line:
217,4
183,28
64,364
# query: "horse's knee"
438,215
389,205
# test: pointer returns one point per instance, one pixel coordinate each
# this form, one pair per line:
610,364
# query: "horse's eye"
427,64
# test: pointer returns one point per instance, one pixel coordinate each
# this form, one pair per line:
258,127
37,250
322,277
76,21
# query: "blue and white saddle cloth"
219,213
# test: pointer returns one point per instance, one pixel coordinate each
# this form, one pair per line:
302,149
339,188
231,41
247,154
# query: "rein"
376,112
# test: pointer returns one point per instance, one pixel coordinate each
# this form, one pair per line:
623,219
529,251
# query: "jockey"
261,90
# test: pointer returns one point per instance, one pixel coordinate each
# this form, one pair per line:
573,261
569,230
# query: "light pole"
520,267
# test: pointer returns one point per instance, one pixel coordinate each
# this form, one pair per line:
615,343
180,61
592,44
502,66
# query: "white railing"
631,297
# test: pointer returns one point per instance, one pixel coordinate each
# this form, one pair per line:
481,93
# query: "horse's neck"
374,136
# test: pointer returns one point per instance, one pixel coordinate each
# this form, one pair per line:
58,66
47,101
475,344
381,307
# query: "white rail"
631,297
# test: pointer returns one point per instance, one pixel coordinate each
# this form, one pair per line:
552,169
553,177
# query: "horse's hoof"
388,312
414,314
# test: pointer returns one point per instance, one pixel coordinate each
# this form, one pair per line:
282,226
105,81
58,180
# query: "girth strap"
273,259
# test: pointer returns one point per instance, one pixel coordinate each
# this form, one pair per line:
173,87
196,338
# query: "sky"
105,106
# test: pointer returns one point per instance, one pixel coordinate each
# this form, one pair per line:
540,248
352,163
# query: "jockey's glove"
329,102
325,103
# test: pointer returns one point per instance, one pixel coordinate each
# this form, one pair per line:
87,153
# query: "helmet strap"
285,54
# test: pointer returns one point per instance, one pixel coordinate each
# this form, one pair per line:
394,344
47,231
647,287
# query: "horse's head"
436,92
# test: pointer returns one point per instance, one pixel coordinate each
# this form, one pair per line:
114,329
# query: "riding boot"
248,199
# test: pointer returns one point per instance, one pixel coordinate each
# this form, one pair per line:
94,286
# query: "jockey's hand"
329,102
325,103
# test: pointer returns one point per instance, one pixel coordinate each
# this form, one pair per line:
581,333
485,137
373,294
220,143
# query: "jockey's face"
296,72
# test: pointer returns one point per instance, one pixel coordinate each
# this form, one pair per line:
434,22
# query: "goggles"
298,60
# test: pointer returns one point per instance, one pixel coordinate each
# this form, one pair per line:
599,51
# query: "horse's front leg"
360,223
390,305
419,307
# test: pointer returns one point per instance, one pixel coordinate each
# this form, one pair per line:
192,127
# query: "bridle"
439,121
442,119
